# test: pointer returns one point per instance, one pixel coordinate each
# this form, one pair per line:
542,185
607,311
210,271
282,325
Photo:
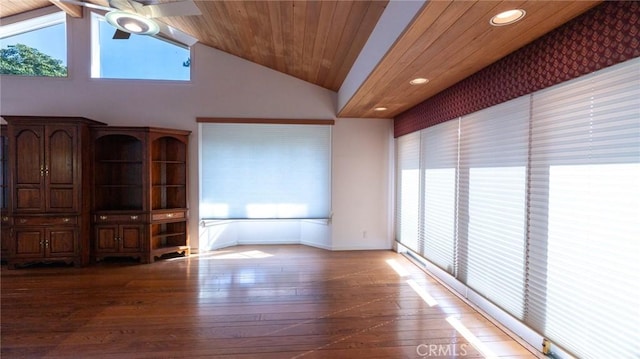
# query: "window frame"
259,122
94,46
36,20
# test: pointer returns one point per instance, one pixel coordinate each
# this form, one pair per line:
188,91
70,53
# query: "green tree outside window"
23,60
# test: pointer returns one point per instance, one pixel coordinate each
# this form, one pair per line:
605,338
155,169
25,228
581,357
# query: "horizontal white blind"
408,190
440,167
547,218
585,214
492,202
265,171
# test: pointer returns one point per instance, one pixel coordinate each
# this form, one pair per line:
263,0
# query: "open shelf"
172,234
118,173
168,173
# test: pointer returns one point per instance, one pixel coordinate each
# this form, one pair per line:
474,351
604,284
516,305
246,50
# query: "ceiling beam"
71,9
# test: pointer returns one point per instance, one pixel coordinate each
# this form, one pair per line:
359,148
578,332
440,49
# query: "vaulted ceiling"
319,41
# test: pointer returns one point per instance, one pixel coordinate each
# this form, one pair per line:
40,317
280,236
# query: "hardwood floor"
243,302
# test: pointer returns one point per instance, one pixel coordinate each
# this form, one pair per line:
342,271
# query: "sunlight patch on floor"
254,254
466,333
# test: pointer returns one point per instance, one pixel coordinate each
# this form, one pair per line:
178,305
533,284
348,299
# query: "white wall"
361,201
223,86
362,153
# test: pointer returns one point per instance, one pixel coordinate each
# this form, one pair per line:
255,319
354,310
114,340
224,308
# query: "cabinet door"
106,239
61,242
29,242
131,238
60,169
29,168
5,240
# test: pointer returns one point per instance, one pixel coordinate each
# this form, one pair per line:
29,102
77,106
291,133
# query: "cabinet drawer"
118,218
167,216
46,221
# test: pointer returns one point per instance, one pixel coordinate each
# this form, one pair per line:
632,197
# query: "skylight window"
35,47
139,57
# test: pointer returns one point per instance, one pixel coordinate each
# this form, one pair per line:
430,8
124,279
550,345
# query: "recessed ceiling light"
507,17
381,108
419,81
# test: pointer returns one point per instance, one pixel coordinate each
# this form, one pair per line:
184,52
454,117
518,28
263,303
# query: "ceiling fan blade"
121,35
85,4
176,8
125,5
173,34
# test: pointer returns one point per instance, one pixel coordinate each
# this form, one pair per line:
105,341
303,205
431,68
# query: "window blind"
492,207
547,214
585,214
408,190
440,167
265,171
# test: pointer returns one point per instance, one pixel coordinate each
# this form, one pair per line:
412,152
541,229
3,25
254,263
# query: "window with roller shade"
492,202
584,231
548,211
439,146
265,171
408,190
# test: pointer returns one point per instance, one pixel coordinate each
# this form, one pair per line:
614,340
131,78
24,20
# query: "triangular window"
139,57
36,46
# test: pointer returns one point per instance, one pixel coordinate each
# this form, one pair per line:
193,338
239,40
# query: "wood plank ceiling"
449,41
319,41
316,41
14,7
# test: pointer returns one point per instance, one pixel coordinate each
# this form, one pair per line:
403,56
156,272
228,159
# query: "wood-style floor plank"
242,302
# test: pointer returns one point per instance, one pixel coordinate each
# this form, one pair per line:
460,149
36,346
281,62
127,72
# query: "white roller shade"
440,167
408,190
585,214
265,171
492,202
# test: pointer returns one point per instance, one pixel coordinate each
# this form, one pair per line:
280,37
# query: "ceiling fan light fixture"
132,23
507,17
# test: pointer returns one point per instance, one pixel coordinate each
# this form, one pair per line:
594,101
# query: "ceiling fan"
139,17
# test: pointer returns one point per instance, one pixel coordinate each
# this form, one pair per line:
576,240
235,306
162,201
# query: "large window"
138,57
585,213
408,190
546,222
35,47
492,206
265,171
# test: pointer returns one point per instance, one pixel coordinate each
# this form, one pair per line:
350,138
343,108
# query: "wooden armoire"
75,190
49,172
